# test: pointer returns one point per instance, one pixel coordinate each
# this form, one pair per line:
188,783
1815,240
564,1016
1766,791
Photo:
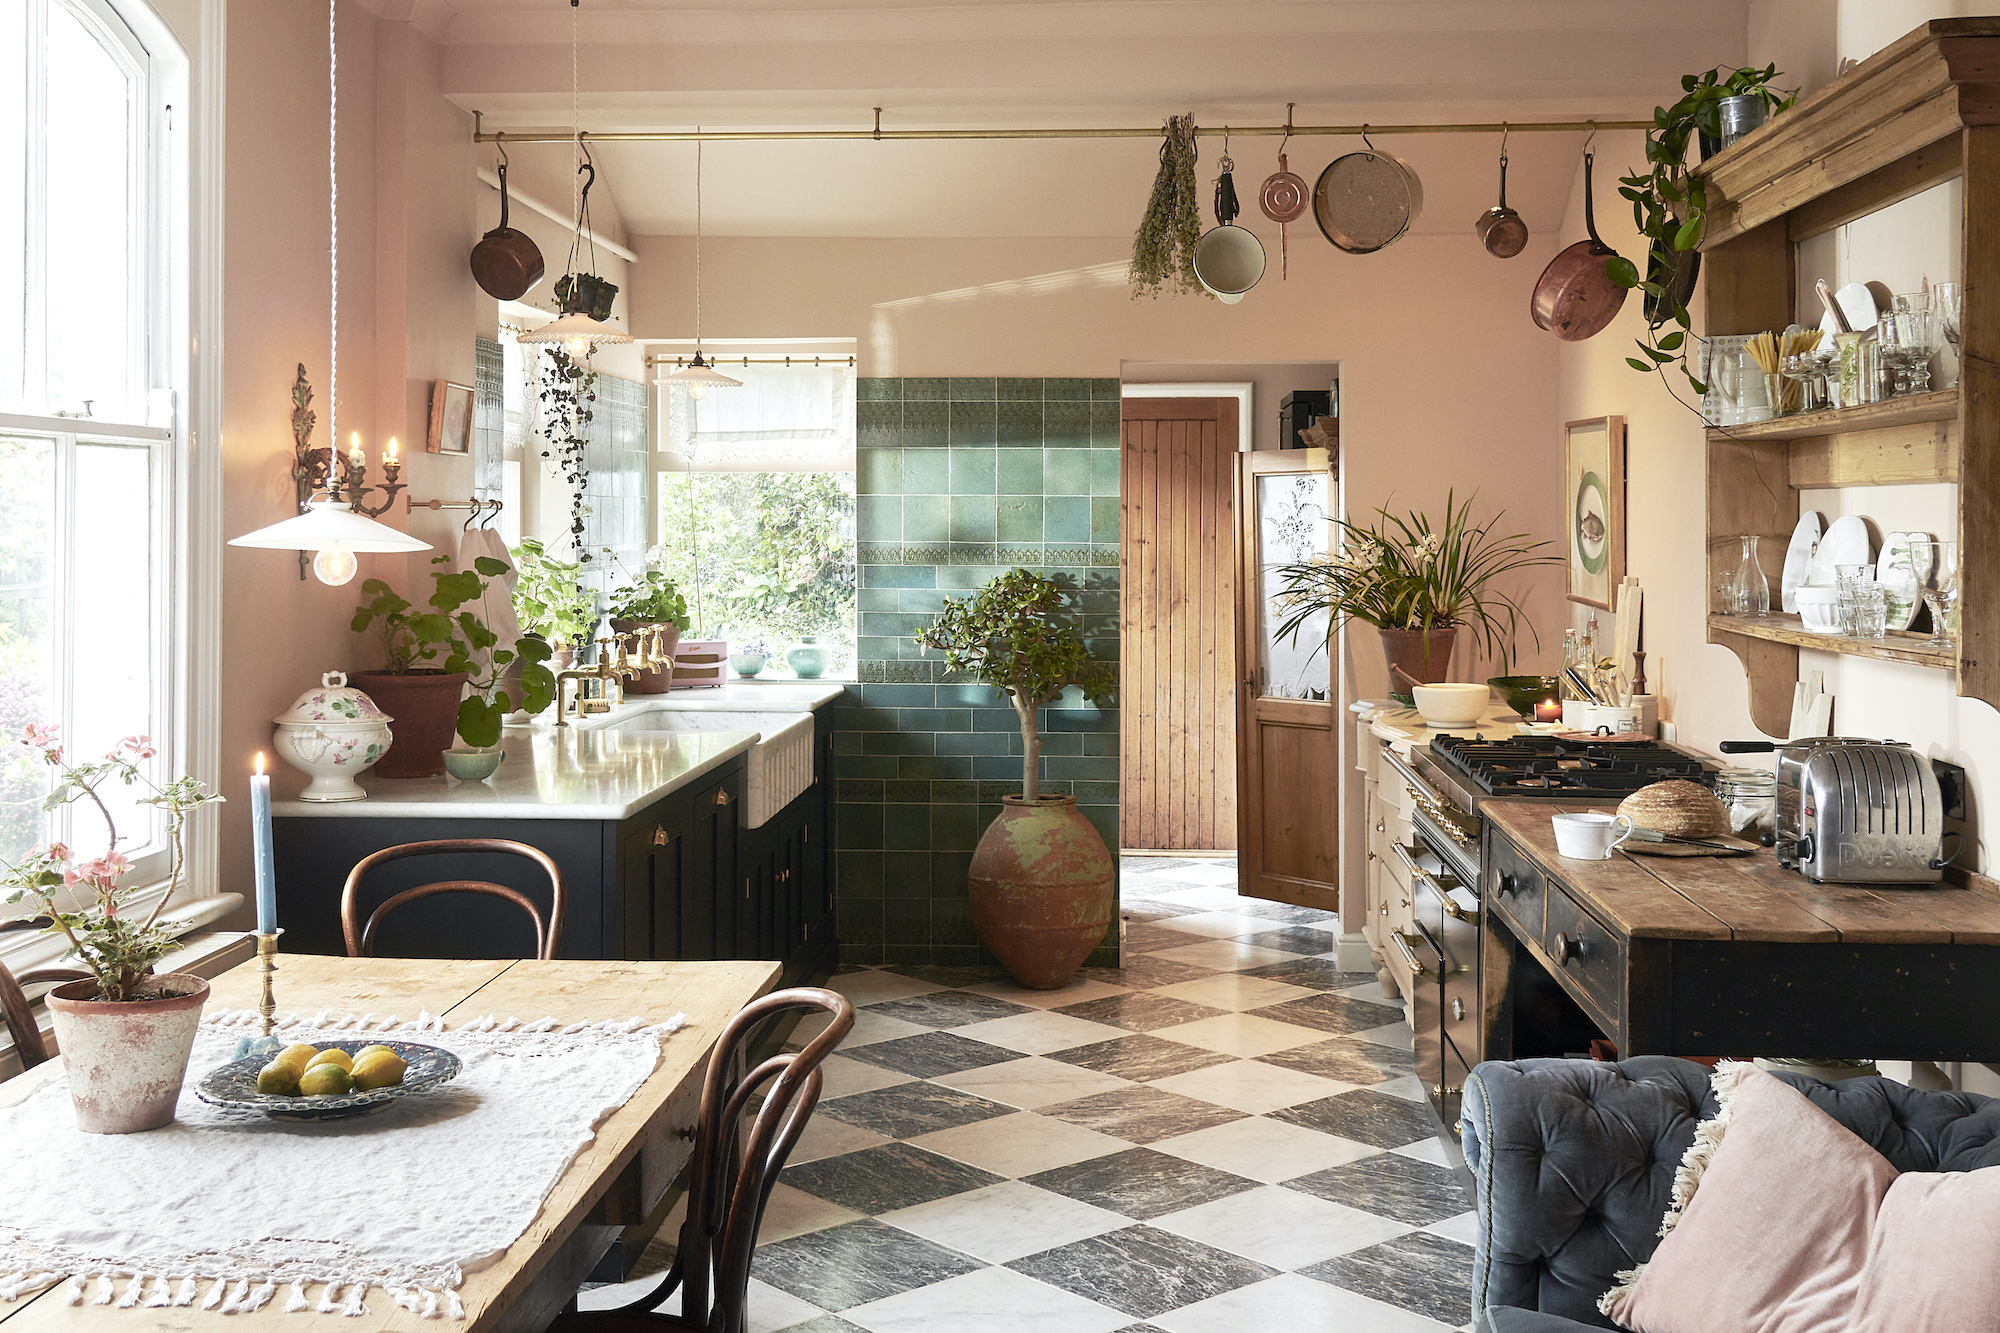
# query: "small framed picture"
1594,508
451,418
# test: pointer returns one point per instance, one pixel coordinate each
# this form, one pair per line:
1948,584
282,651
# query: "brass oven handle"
1439,810
1451,907
1417,969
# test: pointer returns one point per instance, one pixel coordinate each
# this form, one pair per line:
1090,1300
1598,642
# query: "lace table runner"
226,1209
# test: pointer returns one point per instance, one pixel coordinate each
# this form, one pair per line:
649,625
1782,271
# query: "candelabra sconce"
341,479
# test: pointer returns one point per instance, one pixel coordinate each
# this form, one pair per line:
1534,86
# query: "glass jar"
1751,797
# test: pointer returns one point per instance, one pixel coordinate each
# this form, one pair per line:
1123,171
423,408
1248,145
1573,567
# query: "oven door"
1441,955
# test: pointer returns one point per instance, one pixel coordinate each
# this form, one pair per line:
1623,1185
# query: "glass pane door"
1292,528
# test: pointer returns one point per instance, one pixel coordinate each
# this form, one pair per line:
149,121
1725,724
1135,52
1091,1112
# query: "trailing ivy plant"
1163,248
1019,634
1670,206
569,388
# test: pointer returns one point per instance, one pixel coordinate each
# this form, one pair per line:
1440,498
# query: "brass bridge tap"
606,670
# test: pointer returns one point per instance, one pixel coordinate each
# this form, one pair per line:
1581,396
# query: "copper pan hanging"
506,262
1368,200
1575,298
1500,228
1284,198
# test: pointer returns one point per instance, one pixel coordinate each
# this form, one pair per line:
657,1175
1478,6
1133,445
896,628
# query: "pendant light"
330,528
699,377
578,333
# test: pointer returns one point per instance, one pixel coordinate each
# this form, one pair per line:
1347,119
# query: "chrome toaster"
1860,812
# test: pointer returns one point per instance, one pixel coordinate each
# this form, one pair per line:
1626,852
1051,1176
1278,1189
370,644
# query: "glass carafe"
1751,593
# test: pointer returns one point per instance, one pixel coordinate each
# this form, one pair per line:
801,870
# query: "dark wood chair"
732,1172
361,937
28,1044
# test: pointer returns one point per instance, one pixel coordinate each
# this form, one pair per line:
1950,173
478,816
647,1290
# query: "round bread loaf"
1681,808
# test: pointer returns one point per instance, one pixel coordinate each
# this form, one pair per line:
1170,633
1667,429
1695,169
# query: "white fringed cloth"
230,1211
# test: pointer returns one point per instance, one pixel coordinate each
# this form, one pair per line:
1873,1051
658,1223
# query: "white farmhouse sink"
780,763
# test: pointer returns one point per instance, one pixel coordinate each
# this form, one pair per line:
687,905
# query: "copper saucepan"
1575,297
1500,228
506,262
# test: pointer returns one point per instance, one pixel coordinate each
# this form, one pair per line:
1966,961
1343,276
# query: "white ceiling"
811,64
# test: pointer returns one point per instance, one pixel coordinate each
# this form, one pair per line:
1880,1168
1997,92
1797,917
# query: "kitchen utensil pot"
1576,298
1500,228
506,263
1228,259
1365,201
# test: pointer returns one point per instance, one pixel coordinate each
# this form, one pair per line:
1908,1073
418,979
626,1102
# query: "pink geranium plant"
119,948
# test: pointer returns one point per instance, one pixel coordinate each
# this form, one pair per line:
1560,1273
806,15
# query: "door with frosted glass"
1287,793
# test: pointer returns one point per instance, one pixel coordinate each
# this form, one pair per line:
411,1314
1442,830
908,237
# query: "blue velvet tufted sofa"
1573,1161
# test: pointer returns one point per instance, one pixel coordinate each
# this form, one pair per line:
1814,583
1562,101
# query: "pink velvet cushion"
1934,1261
1776,1236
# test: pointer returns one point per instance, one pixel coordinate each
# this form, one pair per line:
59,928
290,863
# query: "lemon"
325,1080
278,1079
330,1056
367,1051
298,1057
379,1069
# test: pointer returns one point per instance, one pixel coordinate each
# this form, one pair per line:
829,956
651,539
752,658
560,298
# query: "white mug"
1589,836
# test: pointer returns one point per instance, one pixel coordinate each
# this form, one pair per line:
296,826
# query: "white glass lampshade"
578,334
698,378
336,532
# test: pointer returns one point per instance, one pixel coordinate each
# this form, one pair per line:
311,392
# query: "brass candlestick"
267,963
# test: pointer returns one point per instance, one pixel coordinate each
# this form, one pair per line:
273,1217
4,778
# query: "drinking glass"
1802,370
1751,591
1848,581
1916,338
1946,309
1871,612
1937,574
1890,352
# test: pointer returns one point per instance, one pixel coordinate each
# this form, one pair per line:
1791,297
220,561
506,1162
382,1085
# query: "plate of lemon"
332,1081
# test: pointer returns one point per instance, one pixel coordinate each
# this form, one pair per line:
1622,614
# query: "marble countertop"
1405,727
549,773
736,696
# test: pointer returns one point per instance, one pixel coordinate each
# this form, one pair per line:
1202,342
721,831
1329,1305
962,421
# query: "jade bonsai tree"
654,597
1020,634
549,596
449,639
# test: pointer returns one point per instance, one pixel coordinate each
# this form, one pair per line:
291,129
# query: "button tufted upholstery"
1573,1162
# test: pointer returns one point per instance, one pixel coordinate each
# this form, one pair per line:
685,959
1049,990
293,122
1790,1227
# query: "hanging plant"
1163,248
569,387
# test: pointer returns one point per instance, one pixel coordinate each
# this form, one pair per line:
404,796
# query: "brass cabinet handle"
722,798
1381,824
659,835
1439,887
1457,1009
1417,969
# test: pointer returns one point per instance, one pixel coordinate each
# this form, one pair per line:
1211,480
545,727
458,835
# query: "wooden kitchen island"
1723,956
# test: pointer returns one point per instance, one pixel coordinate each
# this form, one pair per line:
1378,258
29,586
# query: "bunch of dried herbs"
1163,248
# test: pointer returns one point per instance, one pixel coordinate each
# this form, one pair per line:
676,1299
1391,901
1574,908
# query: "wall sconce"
333,529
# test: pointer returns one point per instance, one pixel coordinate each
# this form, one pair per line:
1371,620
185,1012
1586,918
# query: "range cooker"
1448,779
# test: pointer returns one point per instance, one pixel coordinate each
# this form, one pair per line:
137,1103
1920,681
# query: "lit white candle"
260,847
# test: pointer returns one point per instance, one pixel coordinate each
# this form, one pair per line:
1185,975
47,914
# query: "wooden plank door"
1288,844
1177,673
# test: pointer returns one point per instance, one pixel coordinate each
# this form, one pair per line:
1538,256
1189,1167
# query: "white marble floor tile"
1225,955
1396,1034
844,1076
992,1300
1373,993
826,1136
1219,872
1263,1149
870,1028
769,1309
1241,1035
1041,1032
1020,1144
1425,1150
1233,991
793,1212
1464,1228
1006,1221
1032,1082
1215,925
872,986
1078,990
1281,1227
1248,1085
1289,1301
1409,1087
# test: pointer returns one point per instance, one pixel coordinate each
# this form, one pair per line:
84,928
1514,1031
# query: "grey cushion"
1513,1319
1573,1162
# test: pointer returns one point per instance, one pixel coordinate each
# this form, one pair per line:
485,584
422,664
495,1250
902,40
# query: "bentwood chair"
732,1172
361,937
28,1044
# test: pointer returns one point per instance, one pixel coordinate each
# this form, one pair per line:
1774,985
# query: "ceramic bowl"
1522,693
1818,609
234,1085
1452,704
473,765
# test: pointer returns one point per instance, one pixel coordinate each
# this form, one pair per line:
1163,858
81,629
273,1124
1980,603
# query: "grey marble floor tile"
1327,1013
1365,1115
1140,1057
850,1265
1318,973
1140,1328
951,976
1390,1185
933,1054
1142,1011
1350,1061
1142,1271
948,1008
1422,1273
1140,1183
1151,909
1143,971
1142,1115
826,1323
881,1180
1150,937
1292,939
910,1109
1285,912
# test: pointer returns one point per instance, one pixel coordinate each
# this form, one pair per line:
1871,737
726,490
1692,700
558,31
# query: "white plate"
1898,576
1858,304
1798,558
1845,543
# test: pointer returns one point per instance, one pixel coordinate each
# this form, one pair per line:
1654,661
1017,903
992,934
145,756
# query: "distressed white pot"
125,1062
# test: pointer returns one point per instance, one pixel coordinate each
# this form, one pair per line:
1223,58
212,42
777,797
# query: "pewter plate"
234,1085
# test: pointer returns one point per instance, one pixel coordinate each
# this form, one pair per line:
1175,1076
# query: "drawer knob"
1508,885
722,798
1567,948
659,835
1457,1009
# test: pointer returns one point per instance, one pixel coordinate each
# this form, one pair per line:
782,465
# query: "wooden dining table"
638,1151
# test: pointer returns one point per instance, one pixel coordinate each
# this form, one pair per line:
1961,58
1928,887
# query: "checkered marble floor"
1223,1134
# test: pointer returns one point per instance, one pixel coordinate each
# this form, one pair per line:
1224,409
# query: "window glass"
27,643
16,89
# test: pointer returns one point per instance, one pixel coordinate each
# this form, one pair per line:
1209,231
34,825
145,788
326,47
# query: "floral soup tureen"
333,733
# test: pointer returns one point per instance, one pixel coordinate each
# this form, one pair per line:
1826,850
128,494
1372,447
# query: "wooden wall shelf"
1898,647
1907,410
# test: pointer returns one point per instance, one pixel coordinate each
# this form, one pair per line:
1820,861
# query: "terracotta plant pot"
1042,889
1424,654
425,706
650,682
124,1062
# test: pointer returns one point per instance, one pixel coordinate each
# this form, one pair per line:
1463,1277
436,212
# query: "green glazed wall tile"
973,471
974,519
860,873
1066,519
906,921
1020,518
1104,424
933,388
1103,472
1105,390
898,576
1066,425
879,518
1020,390
899,696
934,767
878,599
878,425
974,389
902,792
858,827
926,472
879,471
906,827
1070,390
1068,471
974,425
952,827
1020,472
1104,519
926,518
876,389
1021,425
926,425
907,874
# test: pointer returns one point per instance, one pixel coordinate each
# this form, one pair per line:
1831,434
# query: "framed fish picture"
1594,508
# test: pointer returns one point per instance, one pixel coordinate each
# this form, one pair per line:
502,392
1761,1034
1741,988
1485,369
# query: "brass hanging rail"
823,359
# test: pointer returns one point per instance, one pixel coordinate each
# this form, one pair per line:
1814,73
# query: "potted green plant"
1418,585
1670,203
551,601
649,601
1043,884
125,1032
424,700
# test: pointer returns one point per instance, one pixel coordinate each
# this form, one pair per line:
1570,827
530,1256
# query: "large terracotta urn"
1042,890
124,1060
1423,655
425,706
